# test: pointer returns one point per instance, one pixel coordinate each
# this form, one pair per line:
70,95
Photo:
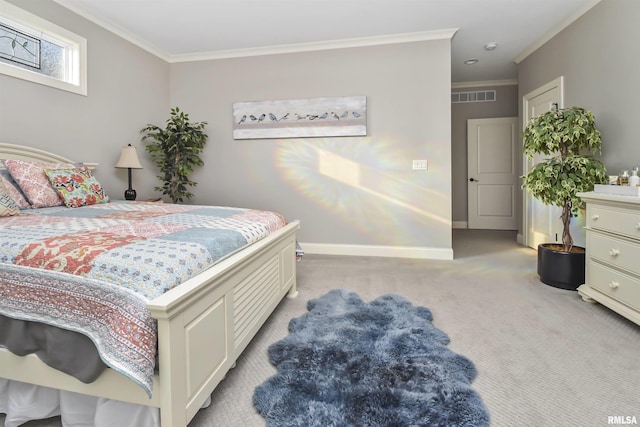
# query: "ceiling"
179,30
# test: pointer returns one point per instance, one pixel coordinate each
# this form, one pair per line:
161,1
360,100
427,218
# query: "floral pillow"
13,189
76,187
33,181
8,206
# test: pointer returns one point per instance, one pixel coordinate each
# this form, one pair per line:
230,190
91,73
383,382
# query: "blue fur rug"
383,363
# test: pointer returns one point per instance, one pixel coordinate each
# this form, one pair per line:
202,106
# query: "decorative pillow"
76,187
13,189
33,181
7,206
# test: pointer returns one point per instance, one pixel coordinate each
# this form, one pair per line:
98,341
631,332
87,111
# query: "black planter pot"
564,270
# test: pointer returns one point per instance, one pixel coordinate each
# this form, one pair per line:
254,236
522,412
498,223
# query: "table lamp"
129,160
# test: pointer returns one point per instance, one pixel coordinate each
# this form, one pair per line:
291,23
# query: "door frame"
559,83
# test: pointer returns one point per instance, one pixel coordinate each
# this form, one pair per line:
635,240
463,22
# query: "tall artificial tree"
176,151
570,138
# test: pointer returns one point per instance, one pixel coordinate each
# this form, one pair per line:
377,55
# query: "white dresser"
613,253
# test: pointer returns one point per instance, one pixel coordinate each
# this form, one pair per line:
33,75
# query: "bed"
203,323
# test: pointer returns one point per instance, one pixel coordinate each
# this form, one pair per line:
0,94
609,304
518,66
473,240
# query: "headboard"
21,152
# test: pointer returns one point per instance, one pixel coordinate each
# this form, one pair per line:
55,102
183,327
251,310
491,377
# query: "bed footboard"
206,323
203,326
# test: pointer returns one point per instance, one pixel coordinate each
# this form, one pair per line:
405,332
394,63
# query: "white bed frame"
203,325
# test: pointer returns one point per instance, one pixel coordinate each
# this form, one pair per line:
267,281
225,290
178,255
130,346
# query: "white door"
542,222
492,177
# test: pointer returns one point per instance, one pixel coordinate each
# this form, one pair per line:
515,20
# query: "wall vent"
473,96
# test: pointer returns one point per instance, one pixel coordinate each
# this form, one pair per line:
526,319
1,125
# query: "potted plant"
176,151
569,136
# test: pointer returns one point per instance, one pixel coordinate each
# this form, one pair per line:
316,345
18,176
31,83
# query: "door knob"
474,180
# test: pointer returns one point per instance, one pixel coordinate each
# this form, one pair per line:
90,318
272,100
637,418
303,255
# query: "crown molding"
555,31
485,83
316,46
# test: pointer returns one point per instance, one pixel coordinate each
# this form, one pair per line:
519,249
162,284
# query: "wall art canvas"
300,118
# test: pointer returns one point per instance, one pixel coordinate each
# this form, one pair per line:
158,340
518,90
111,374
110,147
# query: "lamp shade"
129,158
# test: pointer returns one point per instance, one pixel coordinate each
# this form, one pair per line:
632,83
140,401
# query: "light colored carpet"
544,357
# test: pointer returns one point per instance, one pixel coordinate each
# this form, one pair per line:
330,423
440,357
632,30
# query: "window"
37,50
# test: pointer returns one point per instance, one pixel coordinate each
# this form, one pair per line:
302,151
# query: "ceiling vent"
475,96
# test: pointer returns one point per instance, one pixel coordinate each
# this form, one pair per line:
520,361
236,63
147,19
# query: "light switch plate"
420,165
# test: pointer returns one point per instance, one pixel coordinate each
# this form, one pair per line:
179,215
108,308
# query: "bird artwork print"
273,118
289,118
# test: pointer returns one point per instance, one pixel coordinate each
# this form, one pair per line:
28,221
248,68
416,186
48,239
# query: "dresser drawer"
614,251
624,288
616,221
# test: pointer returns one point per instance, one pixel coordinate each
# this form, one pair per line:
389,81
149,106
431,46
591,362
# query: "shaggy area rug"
383,363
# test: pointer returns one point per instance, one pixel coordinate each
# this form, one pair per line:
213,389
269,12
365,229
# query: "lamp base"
130,194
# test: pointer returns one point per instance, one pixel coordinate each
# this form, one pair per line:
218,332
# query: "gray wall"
505,105
371,197
127,88
374,198
597,57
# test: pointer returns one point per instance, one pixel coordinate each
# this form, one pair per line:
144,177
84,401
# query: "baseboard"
520,239
378,251
459,224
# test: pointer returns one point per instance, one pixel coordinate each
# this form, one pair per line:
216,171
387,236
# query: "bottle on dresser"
634,179
623,178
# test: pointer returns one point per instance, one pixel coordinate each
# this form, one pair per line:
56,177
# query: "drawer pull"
596,216
614,285
614,252
638,226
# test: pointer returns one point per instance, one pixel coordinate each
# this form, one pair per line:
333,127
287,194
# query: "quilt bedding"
93,269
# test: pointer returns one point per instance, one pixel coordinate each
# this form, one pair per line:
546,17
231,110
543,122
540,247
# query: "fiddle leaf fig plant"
569,136
176,151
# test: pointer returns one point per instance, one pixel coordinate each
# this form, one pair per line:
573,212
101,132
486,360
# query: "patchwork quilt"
93,269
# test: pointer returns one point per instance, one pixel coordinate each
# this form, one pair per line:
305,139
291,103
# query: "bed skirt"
23,402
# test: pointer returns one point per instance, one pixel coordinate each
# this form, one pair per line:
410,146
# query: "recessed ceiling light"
490,46
471,61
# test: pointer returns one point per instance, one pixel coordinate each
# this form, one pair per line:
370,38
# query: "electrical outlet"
419,165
